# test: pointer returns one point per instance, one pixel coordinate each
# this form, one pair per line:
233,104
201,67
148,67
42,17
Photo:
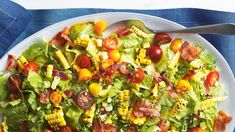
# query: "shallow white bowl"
226,76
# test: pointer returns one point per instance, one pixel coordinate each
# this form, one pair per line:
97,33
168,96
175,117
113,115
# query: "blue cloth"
187,17
13,20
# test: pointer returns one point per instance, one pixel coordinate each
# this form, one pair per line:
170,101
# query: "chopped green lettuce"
3,87
34,80
207,59
147,82
32,99
131,41
91,49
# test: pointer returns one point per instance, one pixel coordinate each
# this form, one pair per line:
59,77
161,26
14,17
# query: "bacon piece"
43,97
172,92
62,75
10,62
61,38
142,109
99,126
190,74
189,52
221,121
123,32
162,124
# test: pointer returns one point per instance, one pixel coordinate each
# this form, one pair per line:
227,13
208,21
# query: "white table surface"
220,5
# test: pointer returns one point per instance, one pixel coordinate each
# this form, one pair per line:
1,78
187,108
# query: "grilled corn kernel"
56,119
209,102
123,103
146,45
83,40
21,61
62,59
136,120
179,106
95,61
154,90
139,32
49,71
89,114
141,57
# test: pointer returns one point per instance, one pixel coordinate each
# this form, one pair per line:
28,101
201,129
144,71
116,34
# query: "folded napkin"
187,17
13,20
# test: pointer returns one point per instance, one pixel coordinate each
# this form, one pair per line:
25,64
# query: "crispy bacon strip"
10,62
61,38
221,121
99,126
189,52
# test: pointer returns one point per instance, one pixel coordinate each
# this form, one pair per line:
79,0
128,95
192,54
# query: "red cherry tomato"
132,128
83,61
155,53
84,100
138,76
110,43
123,32
163,125
31,66
65,129
211,78
161,38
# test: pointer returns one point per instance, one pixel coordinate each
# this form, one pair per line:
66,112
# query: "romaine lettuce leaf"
131,41
34,80
147,82
3,87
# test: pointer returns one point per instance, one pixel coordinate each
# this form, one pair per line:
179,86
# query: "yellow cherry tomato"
95,89
182,86
100,26
106,63
176,44
55,98
114,55
84,74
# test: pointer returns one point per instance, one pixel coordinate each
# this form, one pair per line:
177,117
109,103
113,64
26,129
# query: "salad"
127,81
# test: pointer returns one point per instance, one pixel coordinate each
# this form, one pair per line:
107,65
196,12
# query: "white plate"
226,76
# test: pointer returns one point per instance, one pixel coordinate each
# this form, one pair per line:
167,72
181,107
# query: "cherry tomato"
123,68
84,100
100,26
14,83
31,66
211,78
123,32
138,76
55,98
176,44
132,128
65,129
114,55
155,53
161,38
83,61
190,74
163,125
110,43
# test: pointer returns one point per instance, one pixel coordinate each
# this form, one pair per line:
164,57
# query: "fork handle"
225,29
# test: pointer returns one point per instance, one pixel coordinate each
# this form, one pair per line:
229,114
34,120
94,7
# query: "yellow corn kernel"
209,103
62,59
175,60
56,119
154,90
89,114
146,45
123,103
141,57
49,71
21,62
179,106
83,40
95,61
76,68
139,32
136,120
